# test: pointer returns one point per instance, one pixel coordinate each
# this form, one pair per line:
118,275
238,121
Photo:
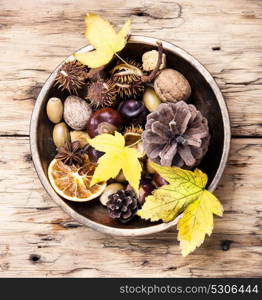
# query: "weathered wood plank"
38,239
224,35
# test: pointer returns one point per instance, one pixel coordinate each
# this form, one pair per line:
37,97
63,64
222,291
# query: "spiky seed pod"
133,134
71,76
127,78
102,93
127,73
129,90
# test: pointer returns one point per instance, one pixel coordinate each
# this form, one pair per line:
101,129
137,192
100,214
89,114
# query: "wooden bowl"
205,95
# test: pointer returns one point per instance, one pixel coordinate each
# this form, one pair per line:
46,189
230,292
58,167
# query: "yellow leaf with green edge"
116,157
102,36
197,221
170,200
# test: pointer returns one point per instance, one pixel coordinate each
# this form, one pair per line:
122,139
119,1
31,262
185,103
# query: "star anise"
70,153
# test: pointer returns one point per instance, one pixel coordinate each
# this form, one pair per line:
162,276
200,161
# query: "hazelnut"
76,112
172,86
150,58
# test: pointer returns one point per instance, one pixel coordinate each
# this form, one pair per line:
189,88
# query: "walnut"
76,112
150,58
172,86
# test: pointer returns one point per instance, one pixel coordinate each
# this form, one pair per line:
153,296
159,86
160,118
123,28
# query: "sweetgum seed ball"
105,120
133,112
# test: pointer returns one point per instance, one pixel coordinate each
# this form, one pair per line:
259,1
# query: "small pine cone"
176,135
122,205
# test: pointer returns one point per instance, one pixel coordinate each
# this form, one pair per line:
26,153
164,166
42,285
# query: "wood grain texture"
36,238
223,35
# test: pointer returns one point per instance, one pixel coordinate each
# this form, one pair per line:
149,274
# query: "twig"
152,75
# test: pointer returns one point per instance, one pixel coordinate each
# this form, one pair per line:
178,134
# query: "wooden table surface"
37,239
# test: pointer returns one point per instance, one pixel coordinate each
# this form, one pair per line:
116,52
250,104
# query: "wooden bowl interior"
202,97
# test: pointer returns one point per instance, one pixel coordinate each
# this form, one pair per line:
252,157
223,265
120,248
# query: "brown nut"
76,112
172,86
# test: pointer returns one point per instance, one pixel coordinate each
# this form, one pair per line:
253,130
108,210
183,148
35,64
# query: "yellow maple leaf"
116,157
184,193
170,200
197,221
102,36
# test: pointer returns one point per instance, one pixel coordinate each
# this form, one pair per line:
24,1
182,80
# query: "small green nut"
60,134
150,99
109,190
54,110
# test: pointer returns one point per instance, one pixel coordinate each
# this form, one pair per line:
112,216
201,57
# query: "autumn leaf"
184,193
197,221
102,36
170,200
116,157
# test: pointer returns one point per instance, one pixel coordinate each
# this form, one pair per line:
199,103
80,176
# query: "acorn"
127,79
71,76
150,99
54,110
60,134
102,93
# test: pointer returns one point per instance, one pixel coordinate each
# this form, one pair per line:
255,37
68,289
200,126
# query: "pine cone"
176,134
122,205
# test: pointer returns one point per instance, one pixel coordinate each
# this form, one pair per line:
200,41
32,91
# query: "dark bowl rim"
104,228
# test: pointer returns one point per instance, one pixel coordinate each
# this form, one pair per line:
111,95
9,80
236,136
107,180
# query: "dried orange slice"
73,182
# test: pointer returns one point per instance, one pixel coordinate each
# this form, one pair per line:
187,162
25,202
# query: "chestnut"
133,112
158,180
146,188
104,120
93,154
